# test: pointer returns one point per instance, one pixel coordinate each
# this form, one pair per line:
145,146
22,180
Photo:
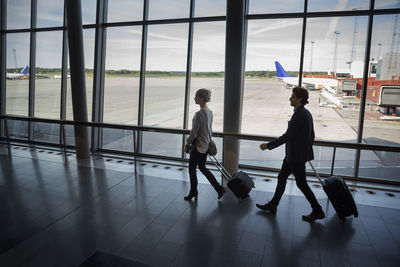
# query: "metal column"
188,75
364,87
142,73
78,86
32,69
98,75
234,79
303,44
3,21
64,66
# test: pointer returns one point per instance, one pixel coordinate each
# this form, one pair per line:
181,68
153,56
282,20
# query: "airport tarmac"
266,111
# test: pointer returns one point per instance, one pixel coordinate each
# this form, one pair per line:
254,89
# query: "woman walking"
198,143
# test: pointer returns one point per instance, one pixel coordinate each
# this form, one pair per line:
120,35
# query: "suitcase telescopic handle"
220,168
316,173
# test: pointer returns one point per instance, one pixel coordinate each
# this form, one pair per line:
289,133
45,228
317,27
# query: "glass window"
17,84
18,14
46,132
17,129
121,81
69,132
252,155
386,4
169,9
344,162
125,10
337,5
382,112
333,71
208,65
165,87
264,7
119,140
165,75
162,144
50,13
48,65
88,40
208,8
379,165
266,106
89,11
323,157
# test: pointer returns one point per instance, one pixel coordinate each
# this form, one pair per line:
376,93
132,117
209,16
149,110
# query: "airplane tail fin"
25,70
280,71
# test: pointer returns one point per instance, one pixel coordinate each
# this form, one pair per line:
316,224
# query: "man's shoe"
315,215
268,206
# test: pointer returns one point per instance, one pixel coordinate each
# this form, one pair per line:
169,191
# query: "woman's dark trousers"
199,159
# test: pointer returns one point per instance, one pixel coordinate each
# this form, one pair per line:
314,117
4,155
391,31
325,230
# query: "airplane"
309,83
19,75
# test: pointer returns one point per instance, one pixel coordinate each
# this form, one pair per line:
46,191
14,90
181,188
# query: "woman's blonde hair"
204,94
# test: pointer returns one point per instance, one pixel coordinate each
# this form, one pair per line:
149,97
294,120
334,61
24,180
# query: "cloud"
167,37
334,20
274,25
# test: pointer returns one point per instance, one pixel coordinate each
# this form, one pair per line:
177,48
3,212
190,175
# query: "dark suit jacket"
299,137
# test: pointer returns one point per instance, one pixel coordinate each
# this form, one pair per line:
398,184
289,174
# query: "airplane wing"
319,83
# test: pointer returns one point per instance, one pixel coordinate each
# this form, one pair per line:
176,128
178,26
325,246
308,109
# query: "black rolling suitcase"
240,183
339,195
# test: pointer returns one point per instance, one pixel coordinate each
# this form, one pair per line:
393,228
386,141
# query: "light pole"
379,50
354,46
311,55
15,59
335,52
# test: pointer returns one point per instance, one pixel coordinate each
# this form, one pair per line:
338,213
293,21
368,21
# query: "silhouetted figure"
298,138
198,142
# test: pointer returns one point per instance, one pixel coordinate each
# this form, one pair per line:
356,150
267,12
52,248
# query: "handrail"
325,143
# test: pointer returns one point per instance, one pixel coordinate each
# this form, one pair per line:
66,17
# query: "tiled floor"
56,211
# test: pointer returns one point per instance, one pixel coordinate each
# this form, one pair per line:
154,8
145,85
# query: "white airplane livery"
19,75
309,83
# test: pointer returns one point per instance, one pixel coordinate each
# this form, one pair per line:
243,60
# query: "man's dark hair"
302,93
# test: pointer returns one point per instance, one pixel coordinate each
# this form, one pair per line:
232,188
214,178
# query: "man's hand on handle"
263,146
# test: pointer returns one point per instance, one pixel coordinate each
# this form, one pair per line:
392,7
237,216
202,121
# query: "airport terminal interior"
97,101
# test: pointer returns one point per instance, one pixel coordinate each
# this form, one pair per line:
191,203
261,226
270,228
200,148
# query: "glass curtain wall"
332,71
333,64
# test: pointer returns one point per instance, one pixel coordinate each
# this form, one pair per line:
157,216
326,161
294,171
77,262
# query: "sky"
268,40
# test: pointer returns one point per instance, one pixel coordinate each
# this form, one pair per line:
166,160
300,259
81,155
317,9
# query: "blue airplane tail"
280,71
25,70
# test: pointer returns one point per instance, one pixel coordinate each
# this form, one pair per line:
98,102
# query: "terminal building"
97,101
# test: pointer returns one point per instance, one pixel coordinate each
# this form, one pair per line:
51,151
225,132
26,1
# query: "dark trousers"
299,171
199,159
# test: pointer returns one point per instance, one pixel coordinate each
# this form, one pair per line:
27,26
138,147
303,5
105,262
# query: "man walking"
298,138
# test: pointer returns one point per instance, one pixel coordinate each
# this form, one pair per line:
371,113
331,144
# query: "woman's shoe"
221,193
190,196
267,206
